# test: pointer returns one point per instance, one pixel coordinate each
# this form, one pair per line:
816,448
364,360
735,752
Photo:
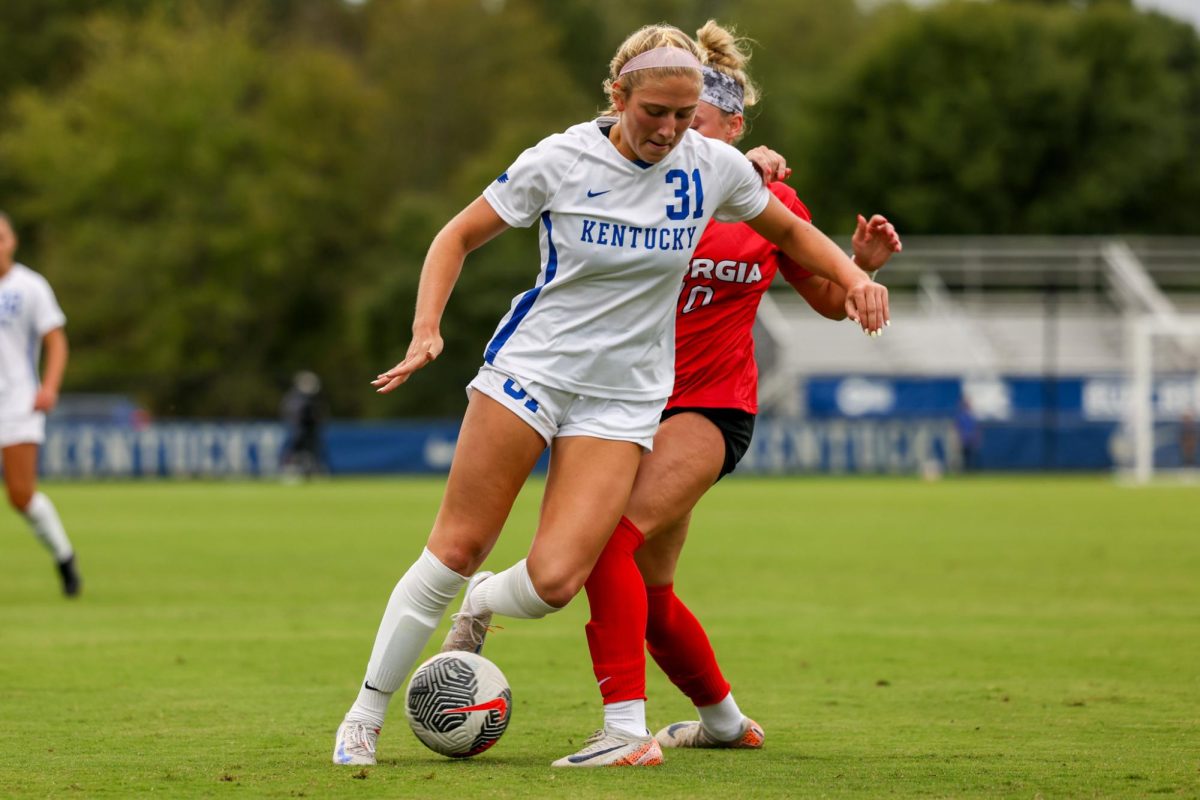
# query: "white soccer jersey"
616,238
28,311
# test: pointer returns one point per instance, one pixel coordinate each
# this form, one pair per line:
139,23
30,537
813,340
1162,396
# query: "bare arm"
473,227
874,243
866,302
54,349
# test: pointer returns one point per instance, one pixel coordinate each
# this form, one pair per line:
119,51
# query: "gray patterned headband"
722,91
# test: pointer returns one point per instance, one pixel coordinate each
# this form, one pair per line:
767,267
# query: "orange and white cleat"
606,748
693,734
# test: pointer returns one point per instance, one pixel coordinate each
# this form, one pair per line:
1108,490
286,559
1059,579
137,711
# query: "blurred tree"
1013,118
205,204
468,88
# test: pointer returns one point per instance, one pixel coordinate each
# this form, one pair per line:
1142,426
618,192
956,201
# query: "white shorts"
556,412
23,429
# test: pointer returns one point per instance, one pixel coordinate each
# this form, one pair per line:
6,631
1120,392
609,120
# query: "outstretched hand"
422,350
874,242
770,165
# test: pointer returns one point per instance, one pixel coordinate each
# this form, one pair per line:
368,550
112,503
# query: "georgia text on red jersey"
725,281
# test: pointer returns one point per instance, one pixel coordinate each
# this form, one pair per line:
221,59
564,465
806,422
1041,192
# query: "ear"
618,97
737,122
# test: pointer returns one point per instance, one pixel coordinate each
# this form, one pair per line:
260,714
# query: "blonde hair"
640,41
721,49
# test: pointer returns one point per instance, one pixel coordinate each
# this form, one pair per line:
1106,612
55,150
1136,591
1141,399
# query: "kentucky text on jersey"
728,271
617,235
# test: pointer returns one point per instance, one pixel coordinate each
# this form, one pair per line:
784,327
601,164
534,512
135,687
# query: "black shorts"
736,427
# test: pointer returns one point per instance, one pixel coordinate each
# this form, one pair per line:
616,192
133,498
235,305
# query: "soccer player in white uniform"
30,321
582,363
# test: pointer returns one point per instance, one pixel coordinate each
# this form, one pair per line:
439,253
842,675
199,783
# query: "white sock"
723,720
413,612
510,593
47,527
627,716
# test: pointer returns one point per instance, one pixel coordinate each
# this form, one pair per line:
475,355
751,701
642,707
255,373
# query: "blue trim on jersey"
642,164
526,302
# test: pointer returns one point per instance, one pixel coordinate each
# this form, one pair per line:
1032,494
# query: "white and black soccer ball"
458,704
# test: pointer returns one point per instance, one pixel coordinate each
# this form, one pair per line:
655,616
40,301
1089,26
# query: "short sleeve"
47,315
746,196
523,191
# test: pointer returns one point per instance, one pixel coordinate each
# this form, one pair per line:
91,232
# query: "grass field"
1016,637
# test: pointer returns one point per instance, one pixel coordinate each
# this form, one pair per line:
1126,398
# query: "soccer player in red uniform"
705,430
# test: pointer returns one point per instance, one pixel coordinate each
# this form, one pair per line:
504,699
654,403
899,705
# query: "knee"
557,584
19,497
462,557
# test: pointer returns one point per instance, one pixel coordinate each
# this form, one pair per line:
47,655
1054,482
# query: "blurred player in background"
583,362
30,322
303,416
705,430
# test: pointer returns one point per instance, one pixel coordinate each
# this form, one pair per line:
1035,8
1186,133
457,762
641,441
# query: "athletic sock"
616,633
723,720
509,593
47,527
413,612
627,716
680,647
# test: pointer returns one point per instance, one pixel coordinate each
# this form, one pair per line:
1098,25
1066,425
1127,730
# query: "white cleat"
693,734
468,631
355,743
614,749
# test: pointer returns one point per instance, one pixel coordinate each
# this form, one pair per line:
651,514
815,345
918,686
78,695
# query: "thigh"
586,492
494,455
688,454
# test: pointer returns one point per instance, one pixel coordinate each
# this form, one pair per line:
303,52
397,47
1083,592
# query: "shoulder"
29,277
713,148
578,137
787,195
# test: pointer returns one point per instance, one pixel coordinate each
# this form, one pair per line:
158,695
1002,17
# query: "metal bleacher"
987,306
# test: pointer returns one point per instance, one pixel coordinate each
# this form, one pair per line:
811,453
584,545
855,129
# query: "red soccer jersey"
725,281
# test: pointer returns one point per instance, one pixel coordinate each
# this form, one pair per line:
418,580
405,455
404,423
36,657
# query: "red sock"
617,630
681,648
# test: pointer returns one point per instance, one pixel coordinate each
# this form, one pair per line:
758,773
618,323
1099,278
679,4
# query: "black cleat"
71,582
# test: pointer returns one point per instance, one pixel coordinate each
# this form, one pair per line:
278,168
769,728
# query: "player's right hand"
770,165
422,350
867,304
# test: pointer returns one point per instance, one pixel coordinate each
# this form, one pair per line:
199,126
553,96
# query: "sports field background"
1008,637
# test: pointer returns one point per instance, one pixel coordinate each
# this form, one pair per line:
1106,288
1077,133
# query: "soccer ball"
458,704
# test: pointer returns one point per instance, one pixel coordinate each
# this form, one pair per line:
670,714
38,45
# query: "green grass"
1023,637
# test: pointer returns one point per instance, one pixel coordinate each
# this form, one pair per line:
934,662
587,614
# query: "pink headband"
661,57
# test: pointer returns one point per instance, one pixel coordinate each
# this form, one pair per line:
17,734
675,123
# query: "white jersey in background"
616,237
28,311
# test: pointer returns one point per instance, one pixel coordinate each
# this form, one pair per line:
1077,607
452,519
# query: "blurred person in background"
970,436
303,418
1187,439
705,430
582,363
30,322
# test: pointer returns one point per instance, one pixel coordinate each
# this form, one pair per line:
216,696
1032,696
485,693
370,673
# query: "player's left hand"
874,242
770,165
45,400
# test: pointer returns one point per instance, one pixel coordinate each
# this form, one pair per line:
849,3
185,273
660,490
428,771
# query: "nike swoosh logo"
601,682
590,756
367,685
671,730
499,704
597,194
